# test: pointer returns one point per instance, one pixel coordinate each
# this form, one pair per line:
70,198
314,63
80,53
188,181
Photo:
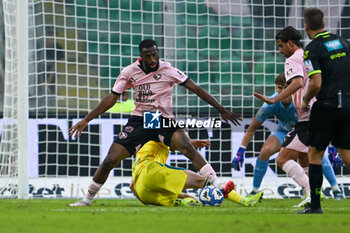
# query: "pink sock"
93,189
208,172
294,170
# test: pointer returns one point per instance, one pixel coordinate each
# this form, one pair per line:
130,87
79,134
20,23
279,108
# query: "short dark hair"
280,79
147,43
313,18
290,33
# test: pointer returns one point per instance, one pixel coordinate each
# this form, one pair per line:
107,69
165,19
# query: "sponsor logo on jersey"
338,55
333,45
308,66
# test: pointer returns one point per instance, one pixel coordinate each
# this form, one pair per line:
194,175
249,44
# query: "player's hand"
334,158
263,98
200,143
231,116
77,129
305,106
237,161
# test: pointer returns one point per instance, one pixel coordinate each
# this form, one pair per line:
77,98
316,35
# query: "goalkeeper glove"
334,158
237,161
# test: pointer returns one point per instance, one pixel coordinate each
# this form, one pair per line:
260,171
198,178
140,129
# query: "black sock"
315,180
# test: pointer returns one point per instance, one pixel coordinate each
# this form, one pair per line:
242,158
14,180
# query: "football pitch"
271,215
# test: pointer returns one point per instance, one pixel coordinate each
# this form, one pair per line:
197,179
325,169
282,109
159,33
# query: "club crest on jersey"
157,76
308,66
122,135
290,71
129,129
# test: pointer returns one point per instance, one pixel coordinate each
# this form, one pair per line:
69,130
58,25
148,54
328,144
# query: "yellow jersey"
150,152
155,182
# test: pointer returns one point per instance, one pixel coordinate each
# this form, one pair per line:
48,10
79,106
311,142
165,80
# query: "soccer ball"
211,196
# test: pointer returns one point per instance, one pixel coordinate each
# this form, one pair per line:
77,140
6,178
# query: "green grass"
53,215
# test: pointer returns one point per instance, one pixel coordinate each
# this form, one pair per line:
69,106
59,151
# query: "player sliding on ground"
156,183
153,81
287,117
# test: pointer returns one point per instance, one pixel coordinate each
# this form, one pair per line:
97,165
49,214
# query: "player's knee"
265,154
109,163
280,161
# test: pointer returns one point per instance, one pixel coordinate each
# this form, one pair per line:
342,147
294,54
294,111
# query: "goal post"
14,135
63,56
22,97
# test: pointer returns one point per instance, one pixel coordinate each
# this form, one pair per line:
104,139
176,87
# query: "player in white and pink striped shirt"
295,144
153,81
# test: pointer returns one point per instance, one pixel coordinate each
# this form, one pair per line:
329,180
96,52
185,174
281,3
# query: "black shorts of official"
134,136
301,129
329,124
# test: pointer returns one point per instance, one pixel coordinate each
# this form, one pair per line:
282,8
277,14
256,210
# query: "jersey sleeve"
177,75
122,83
311,62
264,112
293,69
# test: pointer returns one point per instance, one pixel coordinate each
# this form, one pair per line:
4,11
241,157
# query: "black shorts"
134,136
297,137
329,124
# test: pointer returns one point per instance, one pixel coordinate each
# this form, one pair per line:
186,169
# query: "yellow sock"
235,197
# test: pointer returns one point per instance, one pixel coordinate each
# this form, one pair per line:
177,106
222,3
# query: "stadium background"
77,49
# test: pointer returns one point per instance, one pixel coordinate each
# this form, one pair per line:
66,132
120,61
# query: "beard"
152,68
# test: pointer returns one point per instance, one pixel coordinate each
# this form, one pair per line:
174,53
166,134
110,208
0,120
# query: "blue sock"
328,171
259,172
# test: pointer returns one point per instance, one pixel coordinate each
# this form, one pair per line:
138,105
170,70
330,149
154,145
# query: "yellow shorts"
160,184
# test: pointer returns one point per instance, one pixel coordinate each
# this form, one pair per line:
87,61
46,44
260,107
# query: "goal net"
76,49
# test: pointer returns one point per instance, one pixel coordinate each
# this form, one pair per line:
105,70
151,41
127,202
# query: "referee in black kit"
327,62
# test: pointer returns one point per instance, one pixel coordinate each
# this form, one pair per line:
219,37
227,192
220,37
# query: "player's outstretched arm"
251,130
105,104
201,93
237,161
295,85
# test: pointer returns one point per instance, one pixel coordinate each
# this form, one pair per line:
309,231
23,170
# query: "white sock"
294,170
216,183
255,190
208,172
335,188
91,192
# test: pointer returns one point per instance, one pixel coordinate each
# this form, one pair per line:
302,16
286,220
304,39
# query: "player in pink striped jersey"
295,143
153,81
